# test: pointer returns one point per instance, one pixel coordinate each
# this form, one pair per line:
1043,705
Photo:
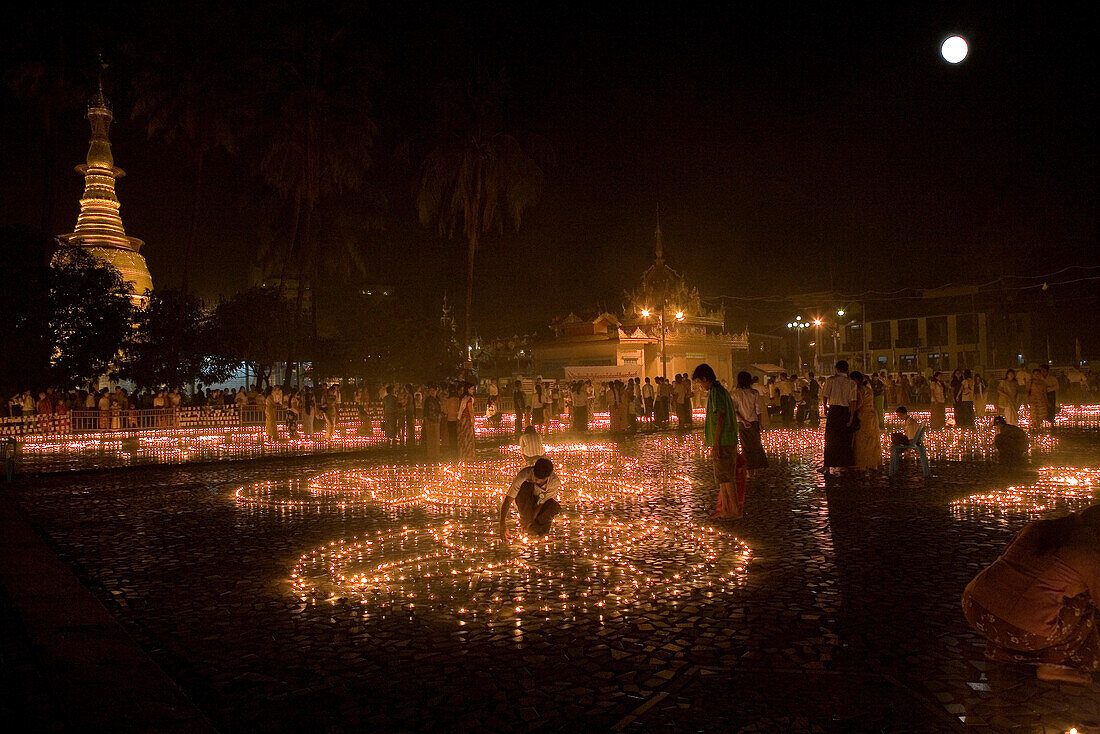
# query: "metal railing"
349,416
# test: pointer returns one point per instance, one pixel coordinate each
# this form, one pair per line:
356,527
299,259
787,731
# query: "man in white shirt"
647,397
535,491
530,446
840,396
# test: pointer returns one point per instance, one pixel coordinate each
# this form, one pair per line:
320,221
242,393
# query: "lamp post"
798,325
679,317
817,344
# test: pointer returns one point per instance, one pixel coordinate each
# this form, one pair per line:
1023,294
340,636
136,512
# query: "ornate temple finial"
660,244
99,100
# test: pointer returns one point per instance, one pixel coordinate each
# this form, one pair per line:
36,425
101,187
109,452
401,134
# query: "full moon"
954,49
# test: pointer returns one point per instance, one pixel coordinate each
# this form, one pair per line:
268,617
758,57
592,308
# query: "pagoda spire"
99,226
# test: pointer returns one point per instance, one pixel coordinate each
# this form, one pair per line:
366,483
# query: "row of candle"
586,563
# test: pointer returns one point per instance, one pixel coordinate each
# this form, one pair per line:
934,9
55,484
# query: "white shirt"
935,390
530,445
647,391
840,390
747,403
549,491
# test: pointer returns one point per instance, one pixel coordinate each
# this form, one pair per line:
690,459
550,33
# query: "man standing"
535,491
647,398
433,412
720,434
840,396
1052,393
786,399
814,400
519,404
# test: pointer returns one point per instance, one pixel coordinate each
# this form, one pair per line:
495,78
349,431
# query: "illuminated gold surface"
99,225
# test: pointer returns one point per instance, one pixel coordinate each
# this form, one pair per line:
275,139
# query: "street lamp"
817,343
798,325
679,317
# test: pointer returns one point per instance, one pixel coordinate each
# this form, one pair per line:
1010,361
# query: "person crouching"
1012,443
534,491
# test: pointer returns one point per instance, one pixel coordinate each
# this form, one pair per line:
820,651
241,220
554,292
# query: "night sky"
790,150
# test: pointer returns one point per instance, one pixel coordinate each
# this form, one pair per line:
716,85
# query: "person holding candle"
1037,603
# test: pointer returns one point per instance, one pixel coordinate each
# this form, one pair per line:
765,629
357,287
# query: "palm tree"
319,139
477,177
187,91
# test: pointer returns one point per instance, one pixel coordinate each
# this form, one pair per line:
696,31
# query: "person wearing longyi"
840,395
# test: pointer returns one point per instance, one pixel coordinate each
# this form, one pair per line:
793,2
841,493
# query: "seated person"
530,446
913,438
1037,603
534,490
492,413
1012,443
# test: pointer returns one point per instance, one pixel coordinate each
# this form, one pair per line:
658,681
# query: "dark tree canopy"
170,345
90,317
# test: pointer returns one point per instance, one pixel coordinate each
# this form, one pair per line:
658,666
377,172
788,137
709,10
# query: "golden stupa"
98,226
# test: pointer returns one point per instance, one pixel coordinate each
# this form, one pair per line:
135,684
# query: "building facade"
663,330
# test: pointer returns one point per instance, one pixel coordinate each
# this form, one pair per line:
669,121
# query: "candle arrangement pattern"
592,475
1069,488
588,563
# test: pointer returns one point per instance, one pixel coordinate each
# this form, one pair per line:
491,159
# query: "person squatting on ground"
1012,443
720,433
1037,603
535,491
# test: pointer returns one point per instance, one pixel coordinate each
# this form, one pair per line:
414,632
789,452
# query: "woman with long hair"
867,441
980,399
750,406
269,414
466,424
937,396
1008,396
964,408
1037,603
956,393
1037,399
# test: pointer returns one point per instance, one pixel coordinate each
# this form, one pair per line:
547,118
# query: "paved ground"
842,613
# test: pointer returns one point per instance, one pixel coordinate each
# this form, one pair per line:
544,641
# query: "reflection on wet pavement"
344,593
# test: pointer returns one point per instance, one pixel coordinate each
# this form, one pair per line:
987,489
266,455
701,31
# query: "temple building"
98,226
615,346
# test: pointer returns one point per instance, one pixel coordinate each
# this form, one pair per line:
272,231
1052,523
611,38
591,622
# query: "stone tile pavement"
845,619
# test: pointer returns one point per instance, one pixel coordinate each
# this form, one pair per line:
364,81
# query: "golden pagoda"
98,226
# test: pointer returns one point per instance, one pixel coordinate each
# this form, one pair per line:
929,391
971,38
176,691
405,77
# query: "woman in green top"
720,434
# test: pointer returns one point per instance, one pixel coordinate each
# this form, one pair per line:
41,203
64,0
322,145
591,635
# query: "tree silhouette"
477,177
188,90
317,137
